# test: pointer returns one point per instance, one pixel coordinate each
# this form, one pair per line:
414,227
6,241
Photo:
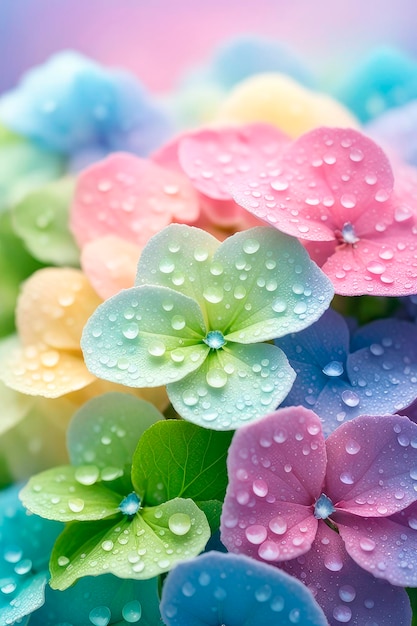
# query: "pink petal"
370,459
327,178
110,264
385,546
213,159
130,197
347,593
276,468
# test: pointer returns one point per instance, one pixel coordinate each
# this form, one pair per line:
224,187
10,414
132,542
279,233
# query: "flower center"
333,369
130,505
348,234
323,507
214,339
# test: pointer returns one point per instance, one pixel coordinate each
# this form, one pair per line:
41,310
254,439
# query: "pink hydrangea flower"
333,188
327,506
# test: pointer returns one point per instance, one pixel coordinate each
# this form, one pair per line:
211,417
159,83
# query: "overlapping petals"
233,589
334,189
197,308
373,372
289,489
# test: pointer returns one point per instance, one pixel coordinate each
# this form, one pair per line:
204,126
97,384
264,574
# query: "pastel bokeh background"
160,39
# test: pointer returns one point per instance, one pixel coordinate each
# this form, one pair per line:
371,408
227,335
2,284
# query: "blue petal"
71,103
26,541
216,588
94,600
386,79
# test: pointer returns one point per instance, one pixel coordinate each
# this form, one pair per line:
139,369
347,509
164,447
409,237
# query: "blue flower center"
348,233
323,507
130,505
333,368
214,339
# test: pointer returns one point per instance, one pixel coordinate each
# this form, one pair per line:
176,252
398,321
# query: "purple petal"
370,460
385,546
346,592
276,469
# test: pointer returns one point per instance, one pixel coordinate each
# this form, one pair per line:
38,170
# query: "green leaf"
57,494
41,220
212,509
145,337
179,257
178,459
150,543
236,385
106,429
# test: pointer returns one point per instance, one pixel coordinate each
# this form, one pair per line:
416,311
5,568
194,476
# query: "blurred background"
159,40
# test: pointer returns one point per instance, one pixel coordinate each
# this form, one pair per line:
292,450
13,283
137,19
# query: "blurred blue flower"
26,542
396,130
373,372
216,589
72,105
386,78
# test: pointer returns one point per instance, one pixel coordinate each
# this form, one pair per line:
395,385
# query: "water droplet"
333,563
256,534
216,377
279,185
342,614
167,266
260,488
190,397
107,545
87,474
269,551
131,331
294,616
12,554
179,523
367,544
132,612
178,322
347,593
262,594
277,604
350,398
213,294
7,588
346,478
100,616
375,267
348,201
157,348
279,305
76,504
278,525
49,358
352,446
250,246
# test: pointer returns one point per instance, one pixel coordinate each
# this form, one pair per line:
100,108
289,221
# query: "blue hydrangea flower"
72,105
217,589
374,372
386,79
26,541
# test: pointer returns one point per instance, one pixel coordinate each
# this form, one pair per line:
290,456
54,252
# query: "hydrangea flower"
233,589
396,130
73,106
328,507
334,189
198,316
45,357
386,78
25,545
371,372
117,524
281,101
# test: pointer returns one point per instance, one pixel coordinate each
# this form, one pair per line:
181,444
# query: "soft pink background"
158,39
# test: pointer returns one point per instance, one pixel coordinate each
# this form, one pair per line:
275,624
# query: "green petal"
270,287
106,430
178,459
151,543
145,337
57,494
236,385
41,220
179,257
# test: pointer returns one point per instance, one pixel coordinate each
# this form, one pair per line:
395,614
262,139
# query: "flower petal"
129,197
145,337
105,431
276,469
371,458
213,158
54,306
234,385
346,592
110,264
150,544
237,590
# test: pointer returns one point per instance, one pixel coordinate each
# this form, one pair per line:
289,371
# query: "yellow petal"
54,306
14,407
155,395
279,100
38,370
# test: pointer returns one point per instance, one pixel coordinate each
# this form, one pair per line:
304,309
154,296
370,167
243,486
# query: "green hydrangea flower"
198,318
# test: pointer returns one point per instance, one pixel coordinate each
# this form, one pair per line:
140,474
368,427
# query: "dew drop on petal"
342,614
179,523
256,534
366,544
347,593
87,474
269,551
100,616
156,348
333,563
350,398
216,377
352,447
333,368
250,246
346,478
132,612
278,525
76,505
